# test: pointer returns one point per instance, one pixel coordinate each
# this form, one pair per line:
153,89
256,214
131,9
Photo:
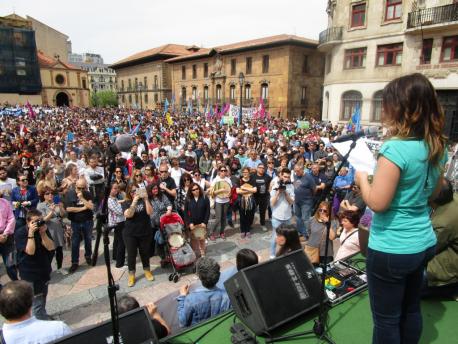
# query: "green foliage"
104,99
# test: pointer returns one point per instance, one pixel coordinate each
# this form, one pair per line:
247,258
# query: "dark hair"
15,299
127,303
189,193
183,178
445,194
292,241
32,213
245,258
149,190
352,216
208,271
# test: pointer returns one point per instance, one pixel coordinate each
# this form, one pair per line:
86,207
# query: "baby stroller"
177,251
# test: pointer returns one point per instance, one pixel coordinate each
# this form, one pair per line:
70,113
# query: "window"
248,65
183,95
233,66
393,9
449,49
377,106
136,99
265,64
123,97
389,55
426,51
155,82
350,101
206,92
145,82
305,64
304,95
60,79
194,93
247,92
19,38
84,83
156,98
232,92
130,99
205,70
355,58
130,84
358,15
183,72
136,83
101,79
218,92
146,98
194,71
264,91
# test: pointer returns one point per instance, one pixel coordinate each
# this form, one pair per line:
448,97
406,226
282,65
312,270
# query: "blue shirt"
34,331
405,227
201,304
251,164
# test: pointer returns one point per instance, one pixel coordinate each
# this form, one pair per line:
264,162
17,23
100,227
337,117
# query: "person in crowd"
221,203
73,159
244,258
205,164
7,226
95,179
117,220
52,214
35,249
137,232
150,175
20,326
287,239
162,157
262,196
70,175
246,202
128,303
349,240
442,270
161,205
304,193
182,192
79,207
353,201
281,201
6,184
167,184
24,198
197,178
206,302
196,215
137,178
402,241
252,162
320,180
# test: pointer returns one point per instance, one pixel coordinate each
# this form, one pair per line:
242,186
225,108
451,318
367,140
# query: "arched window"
247,92
350,101
206,92
218,92
377,106
232,92
264,91
194,93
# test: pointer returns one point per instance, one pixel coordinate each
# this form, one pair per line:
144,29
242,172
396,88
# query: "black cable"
223,319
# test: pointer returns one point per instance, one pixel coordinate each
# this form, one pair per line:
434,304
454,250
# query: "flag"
130,124
356,118
169,119
166,105
148,134
32,114
262,110
136,129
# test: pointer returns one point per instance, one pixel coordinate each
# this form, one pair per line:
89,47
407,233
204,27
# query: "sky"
118,28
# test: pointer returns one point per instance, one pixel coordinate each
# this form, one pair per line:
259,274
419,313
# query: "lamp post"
241,81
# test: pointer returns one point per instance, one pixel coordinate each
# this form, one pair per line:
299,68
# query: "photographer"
94,176
35,252
79,206
281,200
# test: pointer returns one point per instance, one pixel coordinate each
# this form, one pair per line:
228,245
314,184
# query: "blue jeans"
303,213
84,229
7,250
275,224
40,291
395,282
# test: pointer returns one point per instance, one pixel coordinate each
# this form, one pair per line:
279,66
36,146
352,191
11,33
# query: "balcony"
434,18
330,37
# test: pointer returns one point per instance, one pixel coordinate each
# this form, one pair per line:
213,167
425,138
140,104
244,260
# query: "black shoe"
88,260
73,268
231,223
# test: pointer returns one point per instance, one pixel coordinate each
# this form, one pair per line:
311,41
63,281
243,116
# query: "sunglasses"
78,188
163,171
48,193
223,170
22,180
138,175
118,171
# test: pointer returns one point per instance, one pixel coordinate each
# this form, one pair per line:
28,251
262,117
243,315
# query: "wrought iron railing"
433,15
331,34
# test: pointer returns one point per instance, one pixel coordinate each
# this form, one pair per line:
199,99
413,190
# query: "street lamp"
241,81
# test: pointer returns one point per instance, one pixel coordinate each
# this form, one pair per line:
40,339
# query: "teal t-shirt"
405,227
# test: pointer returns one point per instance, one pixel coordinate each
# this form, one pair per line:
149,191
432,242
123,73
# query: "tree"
104,99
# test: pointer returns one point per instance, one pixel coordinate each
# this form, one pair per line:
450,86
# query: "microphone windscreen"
124,142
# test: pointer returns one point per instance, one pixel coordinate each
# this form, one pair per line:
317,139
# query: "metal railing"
331,34
433,15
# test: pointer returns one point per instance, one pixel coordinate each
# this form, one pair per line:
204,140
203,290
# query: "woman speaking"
402,241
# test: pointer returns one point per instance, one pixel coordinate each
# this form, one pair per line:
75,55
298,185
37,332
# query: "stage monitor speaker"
270,294
135,327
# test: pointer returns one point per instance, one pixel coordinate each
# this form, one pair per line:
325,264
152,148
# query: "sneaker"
73,268
131,280
248,235
88,260
222,236
264,228
231,223
149,275
213,237
242,235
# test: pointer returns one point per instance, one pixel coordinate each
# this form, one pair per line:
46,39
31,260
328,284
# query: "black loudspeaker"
270,294
135,327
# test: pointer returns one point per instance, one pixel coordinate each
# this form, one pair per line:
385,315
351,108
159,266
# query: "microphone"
355,136
123,143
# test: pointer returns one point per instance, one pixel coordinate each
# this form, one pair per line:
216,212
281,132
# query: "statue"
218,66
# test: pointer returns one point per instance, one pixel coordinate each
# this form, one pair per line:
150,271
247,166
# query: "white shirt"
89,171
7,186
176,175
79,164
350,245
217,198
282,210
34,331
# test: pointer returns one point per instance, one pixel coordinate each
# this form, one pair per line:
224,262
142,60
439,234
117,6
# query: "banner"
229,120
303,124
246,112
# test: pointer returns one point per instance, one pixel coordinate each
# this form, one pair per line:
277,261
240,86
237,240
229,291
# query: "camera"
96,177
282,185
40,223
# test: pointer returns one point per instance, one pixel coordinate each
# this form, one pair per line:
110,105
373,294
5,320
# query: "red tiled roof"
49,62
167,49
254,43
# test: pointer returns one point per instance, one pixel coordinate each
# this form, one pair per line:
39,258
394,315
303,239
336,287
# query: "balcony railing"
433,15
331,34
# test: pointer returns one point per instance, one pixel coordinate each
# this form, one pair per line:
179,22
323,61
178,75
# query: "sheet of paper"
361,158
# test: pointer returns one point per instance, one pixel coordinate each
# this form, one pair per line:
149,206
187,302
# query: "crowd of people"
54,168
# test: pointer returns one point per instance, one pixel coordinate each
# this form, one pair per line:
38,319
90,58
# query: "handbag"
313,253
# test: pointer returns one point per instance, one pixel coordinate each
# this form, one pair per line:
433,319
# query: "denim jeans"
275,224
220,217
7,250
303,212
395,282
40,292
78,229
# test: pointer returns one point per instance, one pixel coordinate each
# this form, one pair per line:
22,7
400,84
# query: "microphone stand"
103,228
319,328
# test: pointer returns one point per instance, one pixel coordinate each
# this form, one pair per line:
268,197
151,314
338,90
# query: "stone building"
286,71
144,79
369,43
101,77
